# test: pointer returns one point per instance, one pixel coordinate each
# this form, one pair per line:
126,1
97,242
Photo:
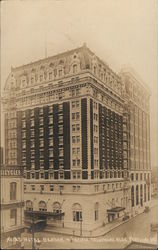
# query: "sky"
121,32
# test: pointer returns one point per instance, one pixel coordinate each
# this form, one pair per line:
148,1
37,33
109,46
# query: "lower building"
12,207
81,206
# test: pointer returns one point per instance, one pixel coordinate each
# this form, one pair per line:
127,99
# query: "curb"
102,234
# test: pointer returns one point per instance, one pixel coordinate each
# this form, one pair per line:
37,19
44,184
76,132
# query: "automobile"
146,210
126,217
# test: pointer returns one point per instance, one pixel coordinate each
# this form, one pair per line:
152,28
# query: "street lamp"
81,226
33,232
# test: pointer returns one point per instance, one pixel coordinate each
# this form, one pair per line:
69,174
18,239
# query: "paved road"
138,227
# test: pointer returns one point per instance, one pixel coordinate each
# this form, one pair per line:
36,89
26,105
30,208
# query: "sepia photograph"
79,124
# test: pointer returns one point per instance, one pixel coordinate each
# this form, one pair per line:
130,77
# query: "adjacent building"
81,133
138,95
12,206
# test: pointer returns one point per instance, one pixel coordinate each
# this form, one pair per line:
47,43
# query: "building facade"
138,96
12,206
67,122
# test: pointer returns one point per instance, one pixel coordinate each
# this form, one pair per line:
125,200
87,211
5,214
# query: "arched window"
74,68
56,207
137,195
132,196
13,187
29,205
42,206
77,212
96,211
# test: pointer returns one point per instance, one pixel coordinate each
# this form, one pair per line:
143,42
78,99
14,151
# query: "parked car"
126,217
146,210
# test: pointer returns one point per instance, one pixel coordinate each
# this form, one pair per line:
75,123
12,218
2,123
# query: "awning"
43,214
115,210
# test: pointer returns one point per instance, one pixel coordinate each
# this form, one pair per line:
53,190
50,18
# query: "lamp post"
80,226
33,232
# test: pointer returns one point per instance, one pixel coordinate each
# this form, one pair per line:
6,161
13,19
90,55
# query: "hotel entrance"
115,213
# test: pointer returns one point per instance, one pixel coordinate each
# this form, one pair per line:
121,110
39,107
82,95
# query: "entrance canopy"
43,214
115,210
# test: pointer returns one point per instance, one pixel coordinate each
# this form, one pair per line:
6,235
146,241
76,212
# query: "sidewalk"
98,231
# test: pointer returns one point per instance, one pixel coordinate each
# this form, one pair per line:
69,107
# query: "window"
73,104
50,75
78,162
132,177
73,139
74,163
32,175
42,175
32,133
77,212
24,134
50,153
61,130
41,78
13,187
96,212
13,217
60,140
60,72
96,188
32,187
42,206
73,116
61,175
29,205
41,143
77,116
32,123
51,188
73,151
77,139
25,187
42,187
57,208
74,68
73,128
77,127
136,177
32,144
51,142
61,152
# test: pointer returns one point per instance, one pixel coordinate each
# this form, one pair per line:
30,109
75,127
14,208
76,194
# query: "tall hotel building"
81,133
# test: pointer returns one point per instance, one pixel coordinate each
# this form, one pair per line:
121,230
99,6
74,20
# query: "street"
138,228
